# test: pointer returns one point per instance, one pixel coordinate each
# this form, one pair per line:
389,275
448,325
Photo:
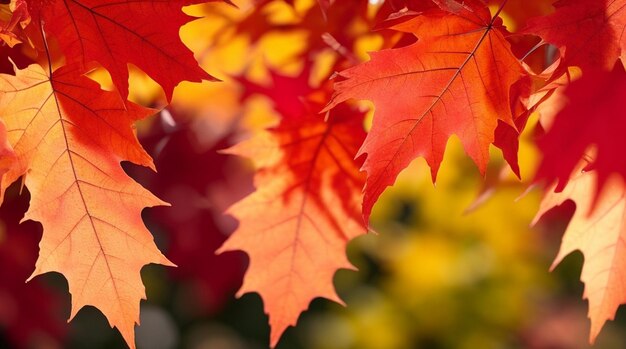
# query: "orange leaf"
296,225
455,79
599,233
69,137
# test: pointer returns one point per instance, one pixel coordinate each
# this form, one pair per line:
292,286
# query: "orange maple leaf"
69,137
599,233
296,225
455,79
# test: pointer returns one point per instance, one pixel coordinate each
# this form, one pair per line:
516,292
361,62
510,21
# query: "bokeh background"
455,265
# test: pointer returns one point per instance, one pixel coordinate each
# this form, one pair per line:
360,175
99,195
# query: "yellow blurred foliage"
448,278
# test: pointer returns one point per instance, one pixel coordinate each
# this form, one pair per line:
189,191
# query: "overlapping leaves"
66,137
453,72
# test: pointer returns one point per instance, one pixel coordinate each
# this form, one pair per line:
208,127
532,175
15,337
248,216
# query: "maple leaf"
296,225
116,33
69,137
589,34
599,233
533,93
592,121
454,80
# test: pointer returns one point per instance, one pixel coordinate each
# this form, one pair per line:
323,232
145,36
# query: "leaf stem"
499,10
47,48
533,49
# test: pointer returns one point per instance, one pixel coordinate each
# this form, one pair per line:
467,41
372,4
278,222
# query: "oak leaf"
69,137
455,79
599,233
296,225
115,33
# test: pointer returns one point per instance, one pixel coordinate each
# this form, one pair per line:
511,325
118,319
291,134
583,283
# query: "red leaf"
589,34
115,33
455,80
591,123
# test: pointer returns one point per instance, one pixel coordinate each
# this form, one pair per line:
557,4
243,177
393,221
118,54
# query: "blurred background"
451,266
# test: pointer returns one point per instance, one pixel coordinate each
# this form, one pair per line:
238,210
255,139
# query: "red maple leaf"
589,34
591,125
115,33
455,79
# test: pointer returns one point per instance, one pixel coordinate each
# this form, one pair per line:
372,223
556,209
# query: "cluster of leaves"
66,137
441,68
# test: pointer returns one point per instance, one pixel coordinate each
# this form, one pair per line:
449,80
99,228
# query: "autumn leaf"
454,80
306,207
589,34
590,126
13,17
115,33
535,93
599,234
69,137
